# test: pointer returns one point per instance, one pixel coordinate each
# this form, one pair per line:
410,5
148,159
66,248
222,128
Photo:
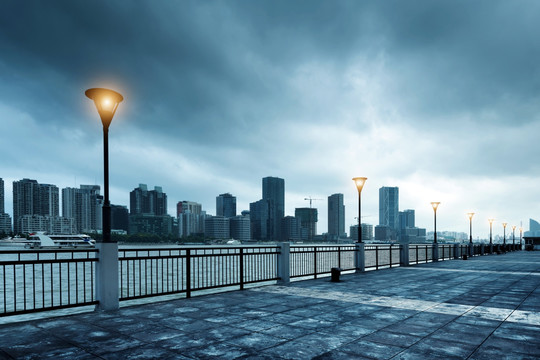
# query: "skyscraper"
274,194
308,222
84,205
226,205
143,201
259,219
31,198
336,216
389,207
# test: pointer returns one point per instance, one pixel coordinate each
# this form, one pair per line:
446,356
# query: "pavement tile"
370,349
146,352
390,338
256,341
306,347
286,332
217,351
349,330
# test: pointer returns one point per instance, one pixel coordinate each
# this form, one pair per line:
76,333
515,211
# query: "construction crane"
310,235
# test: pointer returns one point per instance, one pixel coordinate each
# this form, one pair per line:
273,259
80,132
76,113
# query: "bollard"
335,273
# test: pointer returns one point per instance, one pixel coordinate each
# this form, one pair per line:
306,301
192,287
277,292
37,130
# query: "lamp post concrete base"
283,263
404,255
107,285
435,256
360,259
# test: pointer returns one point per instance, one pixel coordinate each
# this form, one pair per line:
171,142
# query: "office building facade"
150,202
389,211
274,193
226,205
336,216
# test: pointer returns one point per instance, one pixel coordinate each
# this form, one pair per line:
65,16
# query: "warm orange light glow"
504,225
435,205
359,181
106,102
514,227
470,215
491,221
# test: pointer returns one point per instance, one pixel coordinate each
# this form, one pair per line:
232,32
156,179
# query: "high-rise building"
144,201
240,228
389,209
408,232
308,222
336,216
367,232
217,227
259,217
226,205
188,206
32,198
119,218
85,206
274,194
290,228
5,219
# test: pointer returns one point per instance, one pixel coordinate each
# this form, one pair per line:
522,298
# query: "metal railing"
38,280
312,261
382,256
154,272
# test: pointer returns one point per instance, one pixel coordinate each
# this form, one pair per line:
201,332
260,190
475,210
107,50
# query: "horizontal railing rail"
38,280
420,253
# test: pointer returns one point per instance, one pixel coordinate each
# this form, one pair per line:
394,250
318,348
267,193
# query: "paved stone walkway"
482,308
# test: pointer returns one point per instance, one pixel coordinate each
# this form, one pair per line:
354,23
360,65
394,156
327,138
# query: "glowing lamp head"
504,225
435,205
514,227
106,102
359,182
491,221
470,215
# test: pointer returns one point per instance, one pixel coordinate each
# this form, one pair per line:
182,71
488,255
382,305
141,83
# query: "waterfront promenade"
487,307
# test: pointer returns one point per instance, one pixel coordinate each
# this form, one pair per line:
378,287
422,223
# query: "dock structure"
487,307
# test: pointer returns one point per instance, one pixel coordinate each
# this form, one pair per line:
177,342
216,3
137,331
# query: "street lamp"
106,102
514,235
107,293
491,231
504,233
435,206
520,237
470,215
359,181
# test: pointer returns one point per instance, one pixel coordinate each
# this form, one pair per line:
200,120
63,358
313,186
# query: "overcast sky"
439,98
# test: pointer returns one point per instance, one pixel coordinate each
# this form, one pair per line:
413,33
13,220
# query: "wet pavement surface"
486,307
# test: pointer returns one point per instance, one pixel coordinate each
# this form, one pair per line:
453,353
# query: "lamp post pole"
107,294
359,181
514,235
491,231
504,234
520,237
435,205
470,226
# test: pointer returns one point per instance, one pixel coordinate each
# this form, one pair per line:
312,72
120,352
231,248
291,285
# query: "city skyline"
441,101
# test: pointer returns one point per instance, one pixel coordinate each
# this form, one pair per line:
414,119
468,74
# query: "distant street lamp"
504,233
491,231
435,206
514,235
470,215
107,293
359,181
520,237
106,102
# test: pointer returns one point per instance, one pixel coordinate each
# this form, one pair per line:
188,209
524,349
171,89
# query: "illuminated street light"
470,215
107,293
514,235
106,102
359,182
435,205
504,233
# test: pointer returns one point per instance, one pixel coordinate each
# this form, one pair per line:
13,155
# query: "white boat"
40,240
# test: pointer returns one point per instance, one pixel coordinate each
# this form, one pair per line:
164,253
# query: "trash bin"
335,273
465,256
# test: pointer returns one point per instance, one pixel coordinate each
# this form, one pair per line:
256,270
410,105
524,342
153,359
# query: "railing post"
359,257
404,255
456,251
283,263
188,273
482,249
107,284
435,253
241,269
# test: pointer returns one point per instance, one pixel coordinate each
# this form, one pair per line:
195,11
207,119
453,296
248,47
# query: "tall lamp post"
491,231
359,181
520,237
435,205
514,235
504,233
470,215
106,102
